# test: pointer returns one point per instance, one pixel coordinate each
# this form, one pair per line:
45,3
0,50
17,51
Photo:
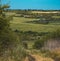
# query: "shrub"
38,44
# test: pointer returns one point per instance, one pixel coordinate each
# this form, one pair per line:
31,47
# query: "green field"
56,17
19,23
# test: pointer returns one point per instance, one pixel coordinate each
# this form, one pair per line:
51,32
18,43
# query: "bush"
38,44
10,45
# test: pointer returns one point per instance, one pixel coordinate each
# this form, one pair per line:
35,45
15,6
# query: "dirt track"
37,58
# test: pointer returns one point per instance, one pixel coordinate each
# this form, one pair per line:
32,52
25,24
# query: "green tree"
10,45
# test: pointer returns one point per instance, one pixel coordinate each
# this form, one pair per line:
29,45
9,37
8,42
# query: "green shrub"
38,44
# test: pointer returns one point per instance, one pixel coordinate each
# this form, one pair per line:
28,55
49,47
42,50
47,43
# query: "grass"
43,12
55,16
20,24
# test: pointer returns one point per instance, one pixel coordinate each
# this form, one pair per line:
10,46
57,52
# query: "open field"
44,12
55,16
19,23
30,32
22,24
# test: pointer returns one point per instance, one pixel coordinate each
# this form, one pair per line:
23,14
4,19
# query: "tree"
3,7
10,45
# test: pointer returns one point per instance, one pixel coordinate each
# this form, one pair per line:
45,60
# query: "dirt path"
37,58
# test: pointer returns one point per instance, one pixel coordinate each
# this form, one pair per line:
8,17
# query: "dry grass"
39,58
43,12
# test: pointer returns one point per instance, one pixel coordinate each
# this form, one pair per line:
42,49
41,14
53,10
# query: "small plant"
38,44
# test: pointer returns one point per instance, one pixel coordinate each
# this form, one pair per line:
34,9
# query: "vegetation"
19,23
24,32
35,32
10,45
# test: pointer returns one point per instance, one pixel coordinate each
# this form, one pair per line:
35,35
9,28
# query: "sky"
35,4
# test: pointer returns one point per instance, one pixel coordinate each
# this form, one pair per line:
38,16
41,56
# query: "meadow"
29,35
26,28
19,23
